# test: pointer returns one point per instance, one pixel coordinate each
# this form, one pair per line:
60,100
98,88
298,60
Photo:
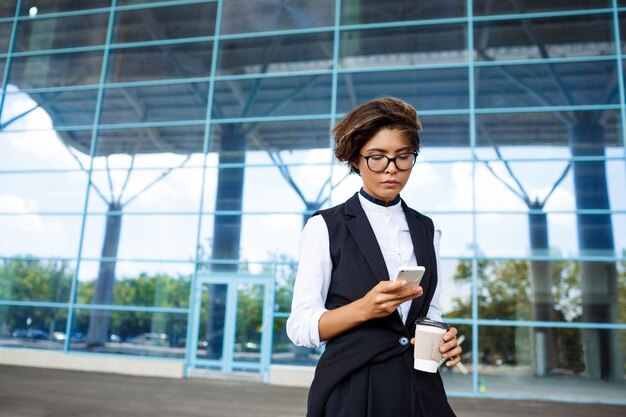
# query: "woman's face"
384,185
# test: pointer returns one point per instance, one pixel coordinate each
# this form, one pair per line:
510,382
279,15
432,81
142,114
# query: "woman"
345,293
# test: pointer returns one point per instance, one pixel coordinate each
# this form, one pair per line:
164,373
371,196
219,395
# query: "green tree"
504,293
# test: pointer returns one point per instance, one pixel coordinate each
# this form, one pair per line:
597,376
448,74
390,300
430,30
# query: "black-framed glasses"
379,163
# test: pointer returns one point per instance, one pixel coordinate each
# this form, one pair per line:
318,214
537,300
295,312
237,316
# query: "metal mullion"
275,33
544,61
546,109
403,24
156,83
131,308
137,260
115,46
296,212
7,63
541,15
161,42
472,132
60,51
620,72
194,302
304,73
165,3
59,89
574,258
92,152
552,324
143,125
37,258
38,304
40,171
333,95
415,67
262,119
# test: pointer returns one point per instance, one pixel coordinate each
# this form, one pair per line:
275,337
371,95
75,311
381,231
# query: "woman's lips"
391,182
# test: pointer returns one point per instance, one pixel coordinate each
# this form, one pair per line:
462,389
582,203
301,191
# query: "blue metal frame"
227,363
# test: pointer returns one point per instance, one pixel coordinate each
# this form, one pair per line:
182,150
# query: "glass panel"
58,6
531,362
543,85
284,352
38,235
488,7
599,185
286,96
164,62
445,138
249,322
459,378
7,10
47,280
558,290
240,16
427,180
144,284
536,180
211,323
155,103
425,90
559,37
141,237
180,21
140,333
276,54
567,235
548,135
254,238
44,149
43,192
371,11
68,108
66,32
276,136
403,46
455,281
148,190
150,142
301,193
32,327
56,70
5,36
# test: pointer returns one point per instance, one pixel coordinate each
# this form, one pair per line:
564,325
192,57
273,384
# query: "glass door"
232,320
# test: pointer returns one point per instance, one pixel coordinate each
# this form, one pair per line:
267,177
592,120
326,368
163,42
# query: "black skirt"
389,388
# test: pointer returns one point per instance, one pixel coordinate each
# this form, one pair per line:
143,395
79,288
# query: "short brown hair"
365,120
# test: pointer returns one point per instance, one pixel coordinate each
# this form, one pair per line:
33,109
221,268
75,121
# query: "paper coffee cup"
428,339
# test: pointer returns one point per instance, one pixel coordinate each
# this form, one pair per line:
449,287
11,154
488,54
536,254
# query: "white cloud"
19,223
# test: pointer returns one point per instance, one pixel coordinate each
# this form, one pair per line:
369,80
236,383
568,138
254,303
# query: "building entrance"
232,323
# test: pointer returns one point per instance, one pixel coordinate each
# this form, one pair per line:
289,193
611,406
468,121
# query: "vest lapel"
363,234
421,247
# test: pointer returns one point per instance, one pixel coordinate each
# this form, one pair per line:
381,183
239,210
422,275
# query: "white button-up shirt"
315,268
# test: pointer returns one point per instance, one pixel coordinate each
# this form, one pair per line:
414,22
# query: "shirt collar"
378,202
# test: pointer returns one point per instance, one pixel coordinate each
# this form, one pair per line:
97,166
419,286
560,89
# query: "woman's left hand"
450,348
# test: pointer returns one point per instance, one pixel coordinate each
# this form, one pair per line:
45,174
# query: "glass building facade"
158,160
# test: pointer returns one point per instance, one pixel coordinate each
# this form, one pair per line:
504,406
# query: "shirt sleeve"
435,311
311,285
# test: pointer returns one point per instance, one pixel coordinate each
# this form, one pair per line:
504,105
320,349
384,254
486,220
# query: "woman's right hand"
386,296
380,301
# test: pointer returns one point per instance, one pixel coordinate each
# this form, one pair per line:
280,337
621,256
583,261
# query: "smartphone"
411,274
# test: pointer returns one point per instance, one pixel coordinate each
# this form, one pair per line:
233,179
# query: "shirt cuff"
314,329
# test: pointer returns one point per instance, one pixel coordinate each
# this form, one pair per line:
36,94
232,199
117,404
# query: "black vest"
358,265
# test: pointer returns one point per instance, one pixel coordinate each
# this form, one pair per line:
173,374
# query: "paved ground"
33,392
